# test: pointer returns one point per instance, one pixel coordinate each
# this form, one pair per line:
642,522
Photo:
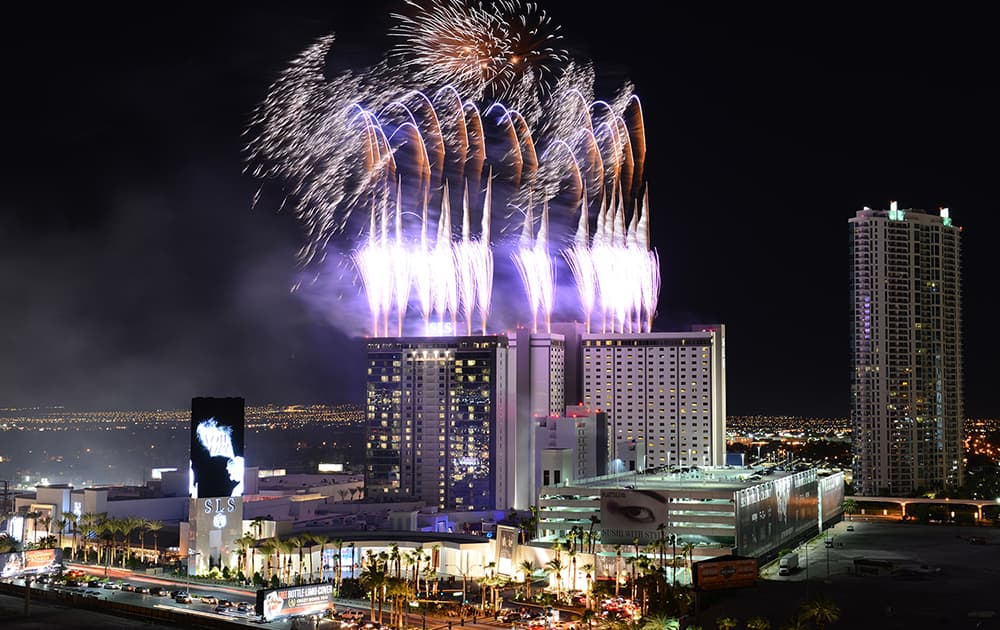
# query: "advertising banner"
38,561
772,514
216,468
308,599
725,572
506,543
831,493
10,564
630,514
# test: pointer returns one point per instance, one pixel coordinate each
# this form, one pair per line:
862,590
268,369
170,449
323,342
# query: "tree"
321,540
594,520
661,622
527,567
726,623
758,623
61,524
822,611
850,506
618,566
72,518
555,565
589,571
796,622
154,527
687,550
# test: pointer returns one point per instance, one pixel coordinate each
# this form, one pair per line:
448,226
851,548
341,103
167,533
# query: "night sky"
134,273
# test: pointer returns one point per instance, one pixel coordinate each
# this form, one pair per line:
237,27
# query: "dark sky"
134,274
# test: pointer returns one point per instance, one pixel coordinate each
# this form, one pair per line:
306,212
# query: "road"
940,580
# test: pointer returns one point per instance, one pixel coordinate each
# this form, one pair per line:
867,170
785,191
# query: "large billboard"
831,497
725,572
630,514
32,562
308,599
506,543
772,514
216,447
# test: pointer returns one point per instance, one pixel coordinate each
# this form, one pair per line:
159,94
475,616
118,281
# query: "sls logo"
220,506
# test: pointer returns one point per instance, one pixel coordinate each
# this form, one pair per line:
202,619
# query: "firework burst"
506,51
381,166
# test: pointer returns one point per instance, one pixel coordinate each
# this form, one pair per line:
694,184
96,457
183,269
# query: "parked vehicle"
788,563
183,598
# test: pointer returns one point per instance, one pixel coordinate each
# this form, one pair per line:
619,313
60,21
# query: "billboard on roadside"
289,601
32,562
725,572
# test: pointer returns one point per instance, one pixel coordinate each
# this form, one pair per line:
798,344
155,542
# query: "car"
94,584
112,586
828,542
158,591
73,583
850,528
975,540
209,599
183,597
244,607
225,603
129,588
144,590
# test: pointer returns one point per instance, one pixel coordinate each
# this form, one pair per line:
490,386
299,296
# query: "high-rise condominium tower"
907,349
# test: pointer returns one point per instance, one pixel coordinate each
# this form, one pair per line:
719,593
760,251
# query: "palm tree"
338,544
321,540
373,578
143,528
572,565
257,525
155,527
45,522
87,523
687,549
71,517
618,566
822,611
796,622
61,524
594,520
556,566
267,547
589,571
243,543
850,506
661,622
758,623
296,542
394,557
726,623
528,567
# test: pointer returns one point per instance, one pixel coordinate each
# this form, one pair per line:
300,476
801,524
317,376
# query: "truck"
788,563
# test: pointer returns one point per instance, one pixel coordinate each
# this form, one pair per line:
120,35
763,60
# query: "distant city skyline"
136,275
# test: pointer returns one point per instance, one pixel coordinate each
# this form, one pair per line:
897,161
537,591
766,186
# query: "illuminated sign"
309,599
32,562
216,468
325,468
725,572
630,514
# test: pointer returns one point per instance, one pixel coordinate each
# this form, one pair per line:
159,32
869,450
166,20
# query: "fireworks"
384,164
508,51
